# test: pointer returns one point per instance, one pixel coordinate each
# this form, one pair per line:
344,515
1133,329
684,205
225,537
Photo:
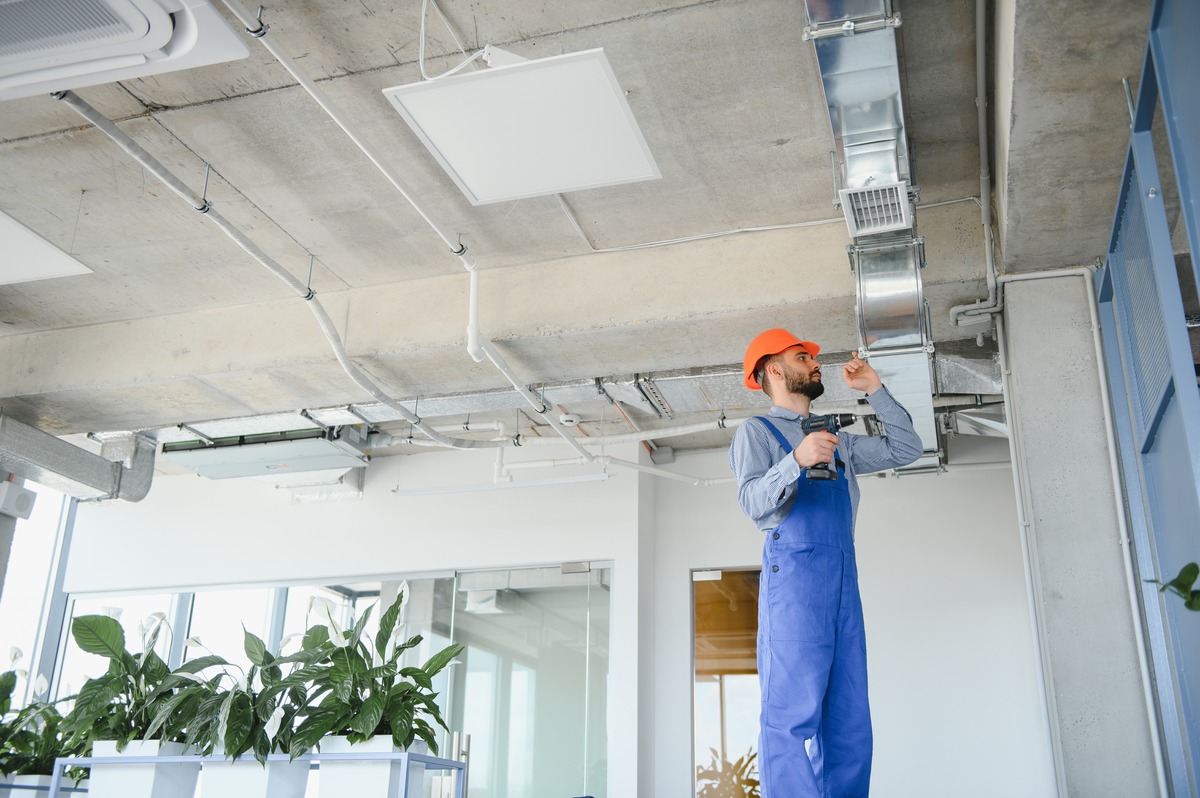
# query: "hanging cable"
421,45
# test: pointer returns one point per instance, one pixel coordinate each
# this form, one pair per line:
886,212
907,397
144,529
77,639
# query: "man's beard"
805,386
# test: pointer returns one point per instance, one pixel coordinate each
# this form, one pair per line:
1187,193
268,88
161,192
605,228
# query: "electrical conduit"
477,345
153,166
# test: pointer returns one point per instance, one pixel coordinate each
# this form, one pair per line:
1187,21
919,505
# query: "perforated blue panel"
1137,291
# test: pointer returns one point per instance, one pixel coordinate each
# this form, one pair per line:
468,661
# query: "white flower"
403,593
193,642
271,727
15,654
289,638
325,610
113,612
21,673
41,685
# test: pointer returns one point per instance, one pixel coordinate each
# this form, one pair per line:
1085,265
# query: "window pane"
217,620
25,581
132,612
726,694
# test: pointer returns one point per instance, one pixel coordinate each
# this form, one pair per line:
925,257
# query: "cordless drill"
828,423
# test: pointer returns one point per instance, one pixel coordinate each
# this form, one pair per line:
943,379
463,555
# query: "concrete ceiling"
177,325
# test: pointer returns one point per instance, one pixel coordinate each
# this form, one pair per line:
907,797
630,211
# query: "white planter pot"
172,780
246,778
368,779
6,783
67,788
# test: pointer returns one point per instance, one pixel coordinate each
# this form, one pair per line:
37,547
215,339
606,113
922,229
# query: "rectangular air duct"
53,45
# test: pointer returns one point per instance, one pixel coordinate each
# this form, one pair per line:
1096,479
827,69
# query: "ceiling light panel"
529,129
28,256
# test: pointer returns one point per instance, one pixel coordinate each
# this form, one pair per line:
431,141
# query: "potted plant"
248,716
113,713
360,698
30,741
724,779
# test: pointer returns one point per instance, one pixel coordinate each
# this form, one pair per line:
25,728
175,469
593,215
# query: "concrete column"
1098,712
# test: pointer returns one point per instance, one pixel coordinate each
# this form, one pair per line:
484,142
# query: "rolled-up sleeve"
766,474
898,446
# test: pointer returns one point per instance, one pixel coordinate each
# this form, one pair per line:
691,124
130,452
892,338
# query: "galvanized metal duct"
855,43
40,457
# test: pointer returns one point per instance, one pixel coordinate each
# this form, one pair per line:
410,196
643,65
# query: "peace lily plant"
339,682
356,686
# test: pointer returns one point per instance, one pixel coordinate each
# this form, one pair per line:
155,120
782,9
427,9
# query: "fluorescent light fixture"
529,129
28,256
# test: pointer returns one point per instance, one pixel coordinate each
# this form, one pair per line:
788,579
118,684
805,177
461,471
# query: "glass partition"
532,688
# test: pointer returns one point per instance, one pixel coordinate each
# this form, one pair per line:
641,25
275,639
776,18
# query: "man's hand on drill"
860,376
817,447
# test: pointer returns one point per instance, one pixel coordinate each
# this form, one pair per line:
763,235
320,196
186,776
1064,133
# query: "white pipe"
1086,273
537,404
258,30
645,435
1033,583
477,345
985,178
152,165
474,348
605,460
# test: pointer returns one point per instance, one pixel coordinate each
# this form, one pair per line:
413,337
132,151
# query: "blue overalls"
815,738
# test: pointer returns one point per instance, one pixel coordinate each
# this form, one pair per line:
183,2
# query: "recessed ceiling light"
529,129
28,256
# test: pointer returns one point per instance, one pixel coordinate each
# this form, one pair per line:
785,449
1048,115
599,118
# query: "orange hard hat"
771,342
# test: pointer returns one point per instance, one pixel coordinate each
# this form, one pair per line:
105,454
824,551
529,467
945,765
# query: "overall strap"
787,446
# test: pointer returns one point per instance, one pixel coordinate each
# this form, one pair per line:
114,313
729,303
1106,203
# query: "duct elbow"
133,482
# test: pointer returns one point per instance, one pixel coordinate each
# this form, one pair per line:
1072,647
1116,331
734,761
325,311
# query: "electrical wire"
421,44
721,234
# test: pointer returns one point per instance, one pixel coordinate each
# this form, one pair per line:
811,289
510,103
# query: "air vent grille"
32,26
877,209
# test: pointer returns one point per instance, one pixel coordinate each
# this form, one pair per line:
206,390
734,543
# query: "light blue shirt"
767,475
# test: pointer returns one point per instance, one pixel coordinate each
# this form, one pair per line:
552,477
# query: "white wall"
953,689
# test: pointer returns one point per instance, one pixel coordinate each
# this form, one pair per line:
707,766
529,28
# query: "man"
815,737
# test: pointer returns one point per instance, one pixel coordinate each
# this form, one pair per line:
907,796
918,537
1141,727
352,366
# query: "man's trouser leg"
846,720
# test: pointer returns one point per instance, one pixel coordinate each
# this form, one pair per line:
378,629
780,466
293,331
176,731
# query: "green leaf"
362,624
367,719
310,732
200,663
152,668
256,649
99,634
387,624
418,675
315,637
8,681
239,723
1192,602
1183,583
442,659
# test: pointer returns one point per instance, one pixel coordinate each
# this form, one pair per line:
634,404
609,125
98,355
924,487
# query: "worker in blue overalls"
815,726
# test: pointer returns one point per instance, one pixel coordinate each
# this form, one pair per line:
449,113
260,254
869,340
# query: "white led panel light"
28,256
529,129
